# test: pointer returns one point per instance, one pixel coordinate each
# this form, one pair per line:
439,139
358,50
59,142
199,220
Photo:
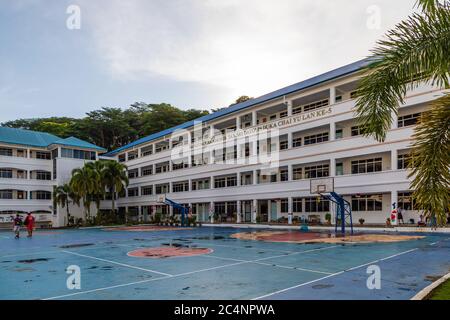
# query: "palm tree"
83,183
96,169
115,179
416,51
62,196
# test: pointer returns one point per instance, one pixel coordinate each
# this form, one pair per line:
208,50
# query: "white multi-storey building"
31,164
211,164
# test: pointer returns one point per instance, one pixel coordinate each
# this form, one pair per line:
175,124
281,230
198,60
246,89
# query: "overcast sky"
190,53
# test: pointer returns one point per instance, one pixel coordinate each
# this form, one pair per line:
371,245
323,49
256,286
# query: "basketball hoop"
321,185
161,198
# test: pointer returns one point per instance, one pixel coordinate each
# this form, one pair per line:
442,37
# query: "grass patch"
442,292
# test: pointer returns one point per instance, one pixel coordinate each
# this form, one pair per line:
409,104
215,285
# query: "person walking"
17,222
400,215
29,222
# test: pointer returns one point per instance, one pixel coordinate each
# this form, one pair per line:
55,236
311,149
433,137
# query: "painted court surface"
206,263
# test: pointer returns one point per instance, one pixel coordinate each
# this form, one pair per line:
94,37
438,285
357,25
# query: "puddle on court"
322,286
34,260
76,245
431,278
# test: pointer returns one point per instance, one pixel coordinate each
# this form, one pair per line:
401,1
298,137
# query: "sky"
199,54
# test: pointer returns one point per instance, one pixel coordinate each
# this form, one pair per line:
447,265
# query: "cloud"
246,47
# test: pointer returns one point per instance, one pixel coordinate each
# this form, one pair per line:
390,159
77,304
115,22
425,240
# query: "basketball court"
209,263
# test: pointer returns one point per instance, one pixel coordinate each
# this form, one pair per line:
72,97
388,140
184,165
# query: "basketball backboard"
321,185
161,198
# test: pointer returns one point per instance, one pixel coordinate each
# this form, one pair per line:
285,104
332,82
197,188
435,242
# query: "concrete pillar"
394,155
238,179
289,108
255,176
291,172
290,207
238,214
332,131
332,95
254,210
394,124
269,210
238,122
211,211
290,138
332,167
254,116
211,183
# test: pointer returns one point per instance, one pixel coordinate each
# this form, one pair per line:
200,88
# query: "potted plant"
361,221
328,218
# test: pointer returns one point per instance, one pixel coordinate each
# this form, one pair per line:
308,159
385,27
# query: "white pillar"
254,116
394,124
290,209
238,179
255,176
394,154
332,167
332,131
238,122
211,183
290,138
332,95
291,172
238,218
254,209
289,108
211,211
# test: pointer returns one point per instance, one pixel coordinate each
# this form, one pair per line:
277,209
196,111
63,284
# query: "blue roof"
339,72
40,139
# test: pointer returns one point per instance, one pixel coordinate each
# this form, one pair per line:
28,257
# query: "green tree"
83,183
115,179
416,51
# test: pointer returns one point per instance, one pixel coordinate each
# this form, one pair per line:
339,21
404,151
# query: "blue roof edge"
327,76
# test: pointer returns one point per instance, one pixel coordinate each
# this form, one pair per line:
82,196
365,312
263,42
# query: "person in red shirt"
29,222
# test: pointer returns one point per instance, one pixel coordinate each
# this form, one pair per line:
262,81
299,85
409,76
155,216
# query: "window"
284,145
219,182
121,157
353,94
406,201
403,161
408,120
339,134
180,186
317,171
339,169
338,99
6,194
22,153
284,175
366,166
133,192
200,184
297,205
316,138
231,181
246,179
133,173
42,155
132,155
297,173
43,195
5,152
162,167
297,142
146,171
283,114
273,117
77,154
284,206
147,190
43,175
367,202
315,105
357,130
162,188
146,151
314,204
5,173
179,165
296,110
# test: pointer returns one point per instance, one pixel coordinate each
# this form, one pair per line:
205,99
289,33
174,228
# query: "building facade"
31,164
305,131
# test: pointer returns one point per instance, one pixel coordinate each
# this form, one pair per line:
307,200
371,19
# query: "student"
17,222
29,222
433,222
421,223
400,215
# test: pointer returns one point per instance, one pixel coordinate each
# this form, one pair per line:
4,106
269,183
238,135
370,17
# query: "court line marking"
334,274
168,276
118,263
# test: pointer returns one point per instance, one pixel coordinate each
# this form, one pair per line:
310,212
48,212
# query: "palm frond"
416,50
431,161
430,5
